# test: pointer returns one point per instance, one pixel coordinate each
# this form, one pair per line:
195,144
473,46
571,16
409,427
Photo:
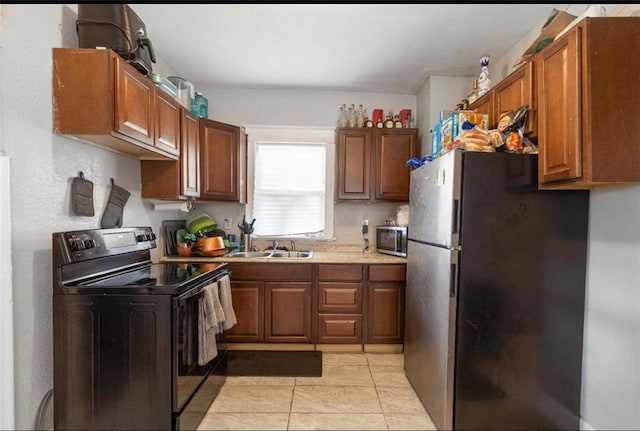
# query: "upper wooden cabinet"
484,105
514,91
354,163
175,179
101,99
371,163
588,101
223,150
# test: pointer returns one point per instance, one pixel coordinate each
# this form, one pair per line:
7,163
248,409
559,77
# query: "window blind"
289,196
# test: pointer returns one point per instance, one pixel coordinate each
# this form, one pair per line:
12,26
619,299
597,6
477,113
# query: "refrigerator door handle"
454,216
453,282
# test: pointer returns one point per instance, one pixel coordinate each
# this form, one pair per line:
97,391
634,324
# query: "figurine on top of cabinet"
484,83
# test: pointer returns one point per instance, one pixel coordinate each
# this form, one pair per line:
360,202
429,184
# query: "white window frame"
292,134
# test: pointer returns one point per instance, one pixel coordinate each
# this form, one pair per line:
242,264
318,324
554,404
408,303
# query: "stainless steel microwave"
391,240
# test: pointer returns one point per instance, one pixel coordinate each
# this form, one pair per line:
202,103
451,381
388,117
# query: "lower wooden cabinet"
340,291
385,304
317,303
272,303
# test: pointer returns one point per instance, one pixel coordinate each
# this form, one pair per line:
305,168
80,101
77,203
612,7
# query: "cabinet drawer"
340,297
342,272
270,271
387,272
339,328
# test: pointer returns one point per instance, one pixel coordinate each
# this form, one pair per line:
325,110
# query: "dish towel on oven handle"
208,323
227,303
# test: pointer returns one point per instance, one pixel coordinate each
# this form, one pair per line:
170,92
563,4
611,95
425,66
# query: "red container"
376,116
404,115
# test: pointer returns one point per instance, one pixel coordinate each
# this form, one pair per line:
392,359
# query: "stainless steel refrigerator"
495,294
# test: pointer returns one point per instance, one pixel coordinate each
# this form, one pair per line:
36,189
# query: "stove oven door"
188,374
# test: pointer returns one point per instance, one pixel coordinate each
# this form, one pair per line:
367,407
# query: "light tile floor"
357,391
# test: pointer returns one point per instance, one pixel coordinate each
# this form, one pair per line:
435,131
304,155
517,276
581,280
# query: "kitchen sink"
293,254
307,254
249,254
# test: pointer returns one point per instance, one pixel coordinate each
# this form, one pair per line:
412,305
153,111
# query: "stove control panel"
92,243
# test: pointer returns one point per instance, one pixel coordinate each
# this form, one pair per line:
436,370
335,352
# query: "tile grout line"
375,386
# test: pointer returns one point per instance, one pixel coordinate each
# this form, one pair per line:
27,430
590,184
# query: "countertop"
336,255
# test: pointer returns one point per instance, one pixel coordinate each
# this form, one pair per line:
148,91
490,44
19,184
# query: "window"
291,182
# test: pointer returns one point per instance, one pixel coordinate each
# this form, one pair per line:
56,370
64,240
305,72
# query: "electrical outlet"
227,223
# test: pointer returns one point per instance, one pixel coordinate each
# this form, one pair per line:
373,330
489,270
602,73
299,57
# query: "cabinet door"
385,312
190,155
175,179
167,123
559,126
134,103
248,305
514,91
288,312
354,164
393,147
222,151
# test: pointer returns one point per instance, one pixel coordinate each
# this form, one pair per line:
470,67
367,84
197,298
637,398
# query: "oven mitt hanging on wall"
112,216
82,196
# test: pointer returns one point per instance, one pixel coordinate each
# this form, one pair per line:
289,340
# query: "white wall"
42,166
611,357
439,93
7,419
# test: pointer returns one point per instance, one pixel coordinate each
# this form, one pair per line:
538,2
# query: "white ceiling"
342,47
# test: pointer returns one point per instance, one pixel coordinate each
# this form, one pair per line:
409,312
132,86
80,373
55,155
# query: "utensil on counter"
246,228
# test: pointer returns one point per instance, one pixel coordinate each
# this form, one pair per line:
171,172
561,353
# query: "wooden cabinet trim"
387,272
340,272
270,271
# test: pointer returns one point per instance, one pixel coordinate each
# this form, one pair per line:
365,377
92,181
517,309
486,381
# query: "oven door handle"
189,296
198,291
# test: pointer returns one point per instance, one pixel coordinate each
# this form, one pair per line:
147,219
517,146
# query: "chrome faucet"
293,246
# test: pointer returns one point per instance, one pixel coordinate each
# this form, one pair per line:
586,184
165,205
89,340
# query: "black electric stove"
126,334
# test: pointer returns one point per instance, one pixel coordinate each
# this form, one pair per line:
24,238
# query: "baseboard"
353,348
383,348
270,346
585,426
